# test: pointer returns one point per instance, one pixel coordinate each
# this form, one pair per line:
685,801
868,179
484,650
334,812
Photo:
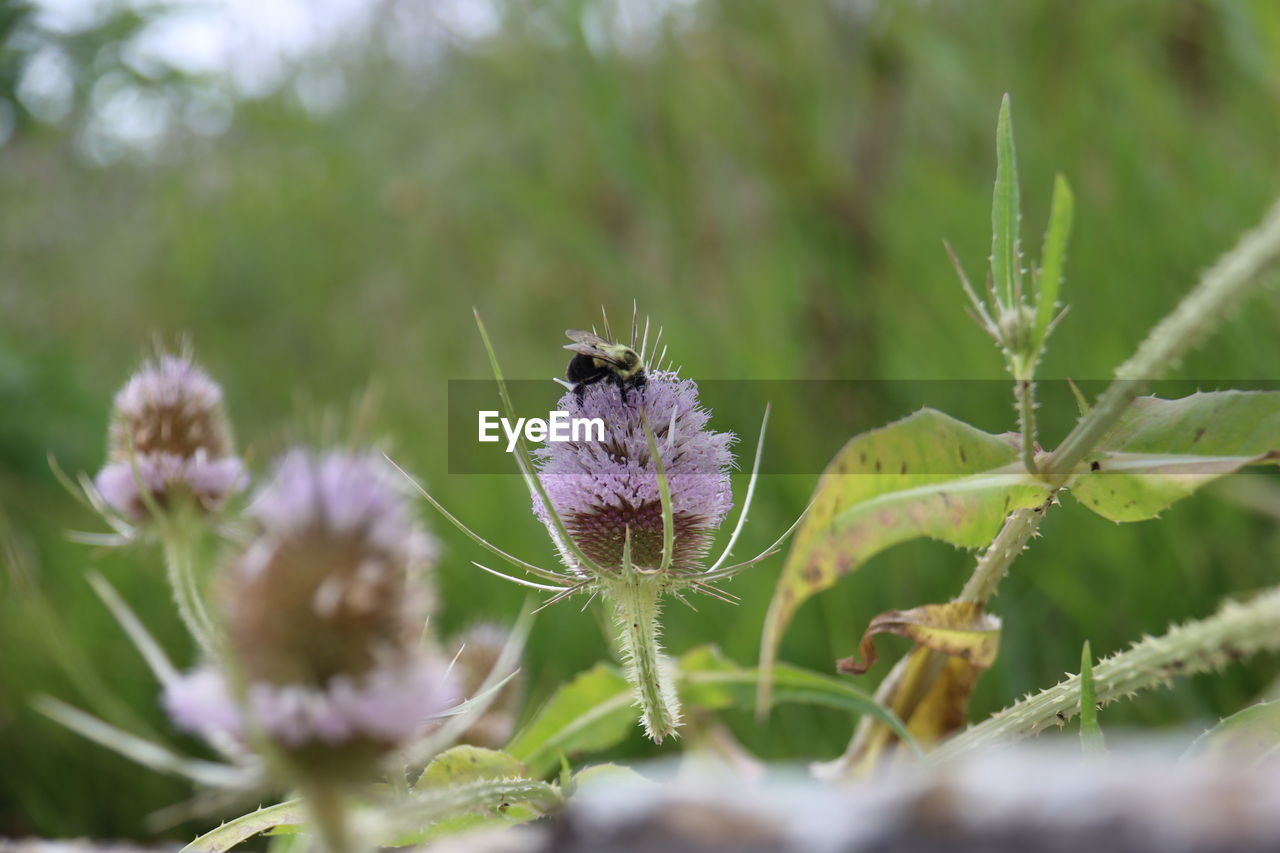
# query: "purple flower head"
333,584
168,422
600,489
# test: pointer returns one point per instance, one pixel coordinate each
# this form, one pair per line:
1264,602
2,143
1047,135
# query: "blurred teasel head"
476,653
169,445
324,616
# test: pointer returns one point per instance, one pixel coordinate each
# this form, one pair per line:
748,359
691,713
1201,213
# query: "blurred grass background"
772,181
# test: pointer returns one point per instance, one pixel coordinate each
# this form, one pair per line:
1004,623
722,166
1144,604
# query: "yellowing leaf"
945,708
958,629
932,694
926,475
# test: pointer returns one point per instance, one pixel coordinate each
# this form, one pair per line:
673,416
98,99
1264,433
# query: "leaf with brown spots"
959,485
1163,450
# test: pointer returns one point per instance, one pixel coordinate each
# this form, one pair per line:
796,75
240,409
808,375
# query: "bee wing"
590,339
592,352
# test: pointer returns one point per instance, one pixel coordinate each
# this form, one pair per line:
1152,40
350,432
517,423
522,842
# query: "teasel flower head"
606,492
323,612
632,515
169,444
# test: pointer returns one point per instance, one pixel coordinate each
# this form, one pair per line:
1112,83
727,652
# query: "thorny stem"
1221,289
1025,393
1235,631
636,611
994,563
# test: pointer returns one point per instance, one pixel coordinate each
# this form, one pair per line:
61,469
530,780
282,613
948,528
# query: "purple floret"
389,705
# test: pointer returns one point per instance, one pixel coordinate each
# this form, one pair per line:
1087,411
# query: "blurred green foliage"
771,181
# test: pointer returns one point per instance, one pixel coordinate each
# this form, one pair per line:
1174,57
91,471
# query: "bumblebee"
597,360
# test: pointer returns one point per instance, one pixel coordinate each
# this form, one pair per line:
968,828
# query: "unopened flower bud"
1016,326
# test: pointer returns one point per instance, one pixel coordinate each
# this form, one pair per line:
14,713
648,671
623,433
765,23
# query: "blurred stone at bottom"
1028,800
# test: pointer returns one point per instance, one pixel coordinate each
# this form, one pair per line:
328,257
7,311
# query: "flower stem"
181,550
1025,394
327,814
636,613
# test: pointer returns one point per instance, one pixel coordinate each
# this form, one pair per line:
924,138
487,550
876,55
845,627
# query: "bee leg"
579,390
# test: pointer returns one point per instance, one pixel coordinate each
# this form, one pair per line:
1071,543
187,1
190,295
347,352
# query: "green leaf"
1052,256
926,475
597,709
1251,735
467,763
593,712
606,775
1090,731
466,805
1163,450
1005,254
246,826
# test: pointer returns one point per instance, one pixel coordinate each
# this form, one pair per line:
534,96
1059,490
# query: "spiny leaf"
1052,256
1163,450
467,763
927,475
1005,255
958,629
246,826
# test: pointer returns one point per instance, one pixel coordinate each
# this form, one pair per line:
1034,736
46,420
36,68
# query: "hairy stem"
1025,394
181,550
1237,630
636,613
